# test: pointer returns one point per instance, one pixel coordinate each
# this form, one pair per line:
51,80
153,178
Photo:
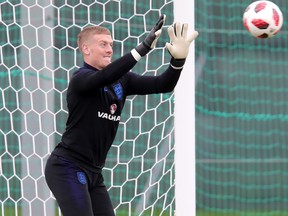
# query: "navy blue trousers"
77,191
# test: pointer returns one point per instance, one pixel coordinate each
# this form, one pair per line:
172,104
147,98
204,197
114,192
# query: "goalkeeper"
95,98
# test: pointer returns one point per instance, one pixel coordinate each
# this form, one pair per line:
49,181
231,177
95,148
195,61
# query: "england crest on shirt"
118,90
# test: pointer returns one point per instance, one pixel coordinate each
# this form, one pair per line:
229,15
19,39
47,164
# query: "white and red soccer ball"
263,19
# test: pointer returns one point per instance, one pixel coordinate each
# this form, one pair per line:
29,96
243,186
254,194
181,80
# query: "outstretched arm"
178,48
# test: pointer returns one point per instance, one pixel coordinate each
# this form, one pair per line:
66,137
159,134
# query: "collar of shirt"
87,66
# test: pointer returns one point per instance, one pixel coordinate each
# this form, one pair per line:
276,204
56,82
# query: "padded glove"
150,41
179,43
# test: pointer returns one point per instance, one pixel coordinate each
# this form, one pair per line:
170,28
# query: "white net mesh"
38,54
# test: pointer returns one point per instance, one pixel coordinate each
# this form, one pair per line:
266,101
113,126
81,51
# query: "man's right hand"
151,39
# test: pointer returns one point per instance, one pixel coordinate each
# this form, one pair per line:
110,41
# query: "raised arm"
178,48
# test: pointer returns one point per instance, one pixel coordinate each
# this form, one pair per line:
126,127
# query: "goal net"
38,54
241,114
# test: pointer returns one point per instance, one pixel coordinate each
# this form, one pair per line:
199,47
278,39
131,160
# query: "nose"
109,49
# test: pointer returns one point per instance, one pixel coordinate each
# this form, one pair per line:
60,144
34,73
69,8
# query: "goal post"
38,123
185,184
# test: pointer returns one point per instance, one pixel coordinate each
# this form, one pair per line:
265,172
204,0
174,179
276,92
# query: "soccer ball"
263,19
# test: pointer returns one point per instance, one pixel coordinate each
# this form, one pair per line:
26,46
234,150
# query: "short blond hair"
89,31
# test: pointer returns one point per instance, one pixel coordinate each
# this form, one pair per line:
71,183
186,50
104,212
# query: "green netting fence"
241,114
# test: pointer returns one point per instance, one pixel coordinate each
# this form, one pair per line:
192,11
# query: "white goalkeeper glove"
179,43
151,39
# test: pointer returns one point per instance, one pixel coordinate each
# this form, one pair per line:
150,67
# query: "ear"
85,49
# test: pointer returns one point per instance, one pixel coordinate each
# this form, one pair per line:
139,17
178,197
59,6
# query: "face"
98,51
